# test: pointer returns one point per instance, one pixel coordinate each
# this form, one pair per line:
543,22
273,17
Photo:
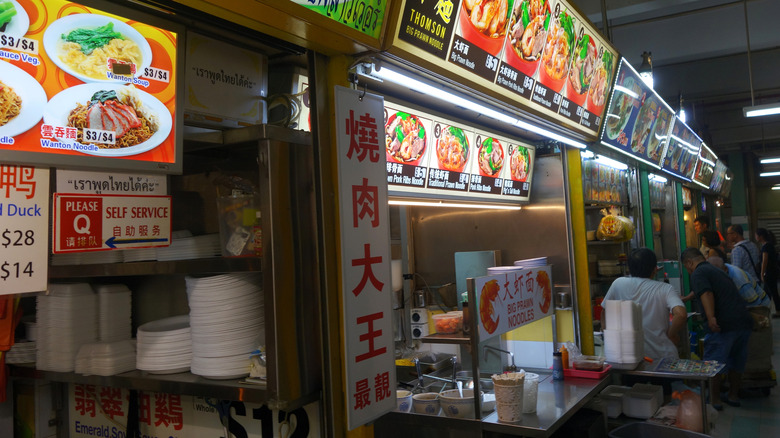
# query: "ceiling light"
775,187
601,159
452,204
770,174
770,160
762,110
393,76
681,112
587,154
646,69
654,177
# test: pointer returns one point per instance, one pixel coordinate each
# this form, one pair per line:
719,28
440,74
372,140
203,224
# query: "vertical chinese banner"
24,229
365,256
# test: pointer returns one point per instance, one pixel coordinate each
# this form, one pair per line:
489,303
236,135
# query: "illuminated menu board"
637,121
540,54
705,166
87,88
428,156
682,151
718,176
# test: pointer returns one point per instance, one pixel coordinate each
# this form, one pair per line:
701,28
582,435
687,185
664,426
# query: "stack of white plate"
106,358
494,270
114,306
66,319
21,352
164,346
139,254
226,317
191,248
87,258
532,263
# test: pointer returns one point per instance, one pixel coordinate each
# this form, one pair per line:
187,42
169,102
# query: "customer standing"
701,225
728,321
766,239
744,253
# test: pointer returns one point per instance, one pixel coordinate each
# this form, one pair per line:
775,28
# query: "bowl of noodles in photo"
519,163
490,157
557,52
82,44
452,149
599,84
139,121
484,23
405,138
22,100
527,35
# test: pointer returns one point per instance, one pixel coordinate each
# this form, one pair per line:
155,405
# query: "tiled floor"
759,416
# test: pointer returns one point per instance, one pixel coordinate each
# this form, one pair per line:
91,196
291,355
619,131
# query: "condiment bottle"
557,366
564,357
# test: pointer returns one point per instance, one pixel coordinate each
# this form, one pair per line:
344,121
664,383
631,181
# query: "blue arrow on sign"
113,241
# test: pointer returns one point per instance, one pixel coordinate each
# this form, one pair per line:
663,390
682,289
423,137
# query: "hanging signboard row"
87,88
430,156
541,54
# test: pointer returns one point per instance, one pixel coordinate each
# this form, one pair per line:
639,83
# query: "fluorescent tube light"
659,178
681,115
628,91
775,187
770,160
770,174
399,78
611,163
587,154
762,110
452,204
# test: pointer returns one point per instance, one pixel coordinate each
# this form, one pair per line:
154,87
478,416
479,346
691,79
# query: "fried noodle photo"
10,104
122,113
529,29
452,149
488,16
87,51
405,137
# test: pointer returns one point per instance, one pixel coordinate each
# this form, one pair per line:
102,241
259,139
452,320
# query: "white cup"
530,392
509,402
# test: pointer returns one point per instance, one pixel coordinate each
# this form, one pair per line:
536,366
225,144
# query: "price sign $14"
15,270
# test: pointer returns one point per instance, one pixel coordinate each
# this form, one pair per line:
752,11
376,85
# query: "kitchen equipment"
419,330
403,400
419,298
456,406
426,403
564,300
419,316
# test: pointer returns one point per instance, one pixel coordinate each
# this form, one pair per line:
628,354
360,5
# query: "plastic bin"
652,430
613,397
642,400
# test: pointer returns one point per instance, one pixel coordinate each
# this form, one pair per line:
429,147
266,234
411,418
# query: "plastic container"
642,400
589,363
613,397
571,372
557,366
652,430
237,217
448,323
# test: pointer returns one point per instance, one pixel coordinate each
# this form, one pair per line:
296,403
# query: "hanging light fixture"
755,110
646,69
681,111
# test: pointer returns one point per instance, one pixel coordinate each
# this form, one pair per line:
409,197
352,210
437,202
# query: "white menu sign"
365,257
24,225
511,300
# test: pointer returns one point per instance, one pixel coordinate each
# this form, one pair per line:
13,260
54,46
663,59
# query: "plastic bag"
689,411
614,227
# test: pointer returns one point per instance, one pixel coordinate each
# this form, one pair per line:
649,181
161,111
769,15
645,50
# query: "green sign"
365,16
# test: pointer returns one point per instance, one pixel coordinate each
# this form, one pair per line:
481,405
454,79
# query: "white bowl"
403,400
456,406
426,403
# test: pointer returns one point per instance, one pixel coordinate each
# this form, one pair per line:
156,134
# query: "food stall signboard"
84,222
24,229
511,300
88,88
540,54
429,156
637,121
682,151
115,183
718,176
365,16
369,353
705,166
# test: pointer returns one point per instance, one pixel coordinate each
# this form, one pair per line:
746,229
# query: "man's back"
730,309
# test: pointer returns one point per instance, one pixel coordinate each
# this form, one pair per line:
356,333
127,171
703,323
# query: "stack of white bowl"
165,346
66,319
532,263
21,352
226,317
196,247
86,258
106,358
114,307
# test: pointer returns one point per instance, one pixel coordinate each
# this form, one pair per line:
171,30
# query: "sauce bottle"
557,365
564,357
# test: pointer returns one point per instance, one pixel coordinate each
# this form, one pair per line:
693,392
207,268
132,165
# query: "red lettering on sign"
370,336
368,273
111,401
362,394
144,408
365,203
85,400
382,386
18,178
167,410
363,138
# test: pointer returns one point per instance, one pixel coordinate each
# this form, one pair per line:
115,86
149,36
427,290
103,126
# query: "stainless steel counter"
557,402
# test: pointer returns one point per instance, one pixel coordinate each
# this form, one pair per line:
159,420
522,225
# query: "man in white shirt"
657,299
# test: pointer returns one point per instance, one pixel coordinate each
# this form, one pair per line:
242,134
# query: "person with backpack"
769,268
744,253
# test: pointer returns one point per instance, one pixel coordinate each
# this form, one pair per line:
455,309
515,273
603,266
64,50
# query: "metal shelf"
454,338
193,266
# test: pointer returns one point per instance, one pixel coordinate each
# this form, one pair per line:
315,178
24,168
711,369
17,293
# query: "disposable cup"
530,393
509,401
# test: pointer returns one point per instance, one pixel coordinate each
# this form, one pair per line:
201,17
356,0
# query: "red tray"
571,372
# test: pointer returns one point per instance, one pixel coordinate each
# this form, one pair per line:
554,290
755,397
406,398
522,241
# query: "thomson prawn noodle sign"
511,300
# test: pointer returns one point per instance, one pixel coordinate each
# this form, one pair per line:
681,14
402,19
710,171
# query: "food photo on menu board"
449,170
406,147
682,151
480,34
83,81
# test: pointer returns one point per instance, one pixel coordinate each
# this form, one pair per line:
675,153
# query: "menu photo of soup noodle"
489,166
479,36
452,146
520,158
408,142
82,81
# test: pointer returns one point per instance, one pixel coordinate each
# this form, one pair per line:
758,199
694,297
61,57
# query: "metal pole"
750,64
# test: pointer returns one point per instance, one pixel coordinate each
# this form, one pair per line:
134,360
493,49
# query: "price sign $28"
17,238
